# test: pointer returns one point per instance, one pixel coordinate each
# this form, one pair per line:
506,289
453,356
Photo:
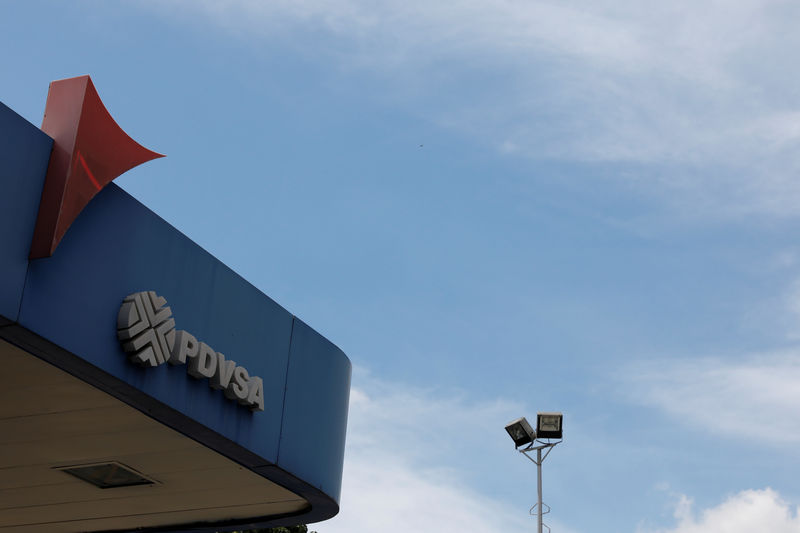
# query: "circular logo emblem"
145,328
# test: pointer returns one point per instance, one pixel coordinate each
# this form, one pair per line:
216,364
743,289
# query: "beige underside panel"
50,419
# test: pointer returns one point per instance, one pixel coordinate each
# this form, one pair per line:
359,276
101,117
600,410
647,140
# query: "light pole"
548,426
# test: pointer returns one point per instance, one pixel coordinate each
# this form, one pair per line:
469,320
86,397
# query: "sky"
494,208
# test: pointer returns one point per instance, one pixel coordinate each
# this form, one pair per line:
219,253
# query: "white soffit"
50,419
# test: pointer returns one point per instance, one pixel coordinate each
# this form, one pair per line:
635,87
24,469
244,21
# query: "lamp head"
549,425
521,432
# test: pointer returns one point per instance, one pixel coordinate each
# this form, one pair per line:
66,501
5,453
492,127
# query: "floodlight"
521,432
549,425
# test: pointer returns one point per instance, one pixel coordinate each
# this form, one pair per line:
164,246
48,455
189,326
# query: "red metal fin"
89,151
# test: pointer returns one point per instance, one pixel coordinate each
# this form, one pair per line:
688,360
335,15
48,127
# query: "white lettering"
255,398
237,390
205,364
185,346
222,377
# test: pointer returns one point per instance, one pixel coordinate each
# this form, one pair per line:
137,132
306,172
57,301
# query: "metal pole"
539,469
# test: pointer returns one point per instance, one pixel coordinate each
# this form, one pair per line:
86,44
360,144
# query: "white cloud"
724,396
791,301
410,459
745,512
707,86
383,494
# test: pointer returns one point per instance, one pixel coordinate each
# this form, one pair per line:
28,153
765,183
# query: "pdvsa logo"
146,330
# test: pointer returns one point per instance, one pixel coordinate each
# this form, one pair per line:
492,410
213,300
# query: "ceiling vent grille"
107,475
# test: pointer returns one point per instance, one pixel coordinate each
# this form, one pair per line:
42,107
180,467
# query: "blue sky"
493,208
